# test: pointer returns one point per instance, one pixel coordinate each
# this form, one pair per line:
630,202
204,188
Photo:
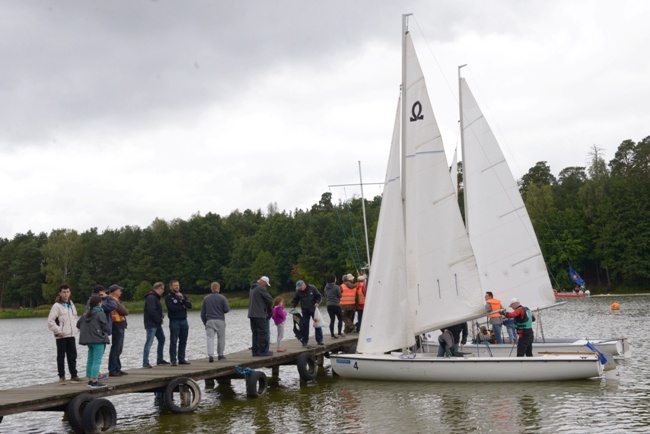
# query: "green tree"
61,254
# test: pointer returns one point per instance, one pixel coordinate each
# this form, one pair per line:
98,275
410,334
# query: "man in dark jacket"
309,299
259,313
153,320
118,317
177,305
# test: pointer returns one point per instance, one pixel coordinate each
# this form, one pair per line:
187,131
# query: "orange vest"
361,293
496,305
348,295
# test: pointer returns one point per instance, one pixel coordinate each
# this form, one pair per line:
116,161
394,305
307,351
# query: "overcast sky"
114,113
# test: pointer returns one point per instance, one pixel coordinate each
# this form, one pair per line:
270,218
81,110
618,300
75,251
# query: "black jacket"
177,308
153,311
307,299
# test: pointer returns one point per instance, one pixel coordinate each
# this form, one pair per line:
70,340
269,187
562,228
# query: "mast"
462,149
365,222
404,102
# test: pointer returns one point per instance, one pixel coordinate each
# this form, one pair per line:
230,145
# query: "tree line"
234,250
595,218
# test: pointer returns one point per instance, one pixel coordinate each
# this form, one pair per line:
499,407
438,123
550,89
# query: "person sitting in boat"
524,324
446,345
486,335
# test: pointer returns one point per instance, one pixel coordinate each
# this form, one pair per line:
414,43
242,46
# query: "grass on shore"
236,300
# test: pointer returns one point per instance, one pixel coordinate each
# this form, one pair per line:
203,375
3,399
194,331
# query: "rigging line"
345,236
354,238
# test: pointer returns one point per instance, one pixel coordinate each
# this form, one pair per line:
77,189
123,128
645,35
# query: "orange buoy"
616,306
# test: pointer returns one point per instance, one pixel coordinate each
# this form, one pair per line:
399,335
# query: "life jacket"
496,305
526,322
361,294
348,295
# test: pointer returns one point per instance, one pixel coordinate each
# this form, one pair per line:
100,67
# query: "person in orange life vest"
118,328
524,324
348,302
493,305
361,299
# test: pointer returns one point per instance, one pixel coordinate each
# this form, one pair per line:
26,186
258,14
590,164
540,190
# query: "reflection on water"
334,405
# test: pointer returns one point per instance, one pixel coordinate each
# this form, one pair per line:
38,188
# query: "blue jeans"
304,328
497,332
117,344
178,331
160,337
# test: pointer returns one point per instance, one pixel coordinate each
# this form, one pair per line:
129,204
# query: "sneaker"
115,374
76,380
334,337
342,335
174,363
163,362
102,377
222,357
95,385
304,344
123,373
267,354
281,350
321,343
184,362
211,359
146,365
61,380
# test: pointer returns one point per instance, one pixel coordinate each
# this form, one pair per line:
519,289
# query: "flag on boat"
575,277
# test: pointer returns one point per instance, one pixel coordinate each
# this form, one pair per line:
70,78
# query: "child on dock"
94,330
279,315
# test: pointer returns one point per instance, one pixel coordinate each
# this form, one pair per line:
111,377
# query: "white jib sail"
507,251
386,317
442,276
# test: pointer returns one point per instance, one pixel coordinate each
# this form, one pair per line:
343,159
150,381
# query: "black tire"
75,411
99,416
307,366
256,384
182,385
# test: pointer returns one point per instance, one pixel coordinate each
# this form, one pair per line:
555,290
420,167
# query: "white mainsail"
507,252
442,276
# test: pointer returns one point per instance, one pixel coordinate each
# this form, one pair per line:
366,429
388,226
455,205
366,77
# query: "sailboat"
495,212
424,273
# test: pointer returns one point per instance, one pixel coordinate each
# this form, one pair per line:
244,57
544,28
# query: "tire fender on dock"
307,366
75,411
189,393
256,384
99,416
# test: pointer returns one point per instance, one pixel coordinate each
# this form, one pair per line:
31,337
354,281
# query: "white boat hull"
425,367
619,348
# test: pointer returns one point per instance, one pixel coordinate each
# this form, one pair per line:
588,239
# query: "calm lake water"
334,405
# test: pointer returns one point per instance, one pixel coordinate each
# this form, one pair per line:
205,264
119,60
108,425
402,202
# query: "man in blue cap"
309,299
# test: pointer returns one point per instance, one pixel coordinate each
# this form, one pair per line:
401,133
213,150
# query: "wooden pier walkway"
57,397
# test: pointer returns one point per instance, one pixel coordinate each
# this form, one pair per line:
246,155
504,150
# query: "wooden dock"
56,396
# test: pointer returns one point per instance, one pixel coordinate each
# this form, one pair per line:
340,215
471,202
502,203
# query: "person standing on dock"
309,299
213,314
177,305
153,321
361,299
348,302
62,321
94,329
259,312
333,298
118,317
